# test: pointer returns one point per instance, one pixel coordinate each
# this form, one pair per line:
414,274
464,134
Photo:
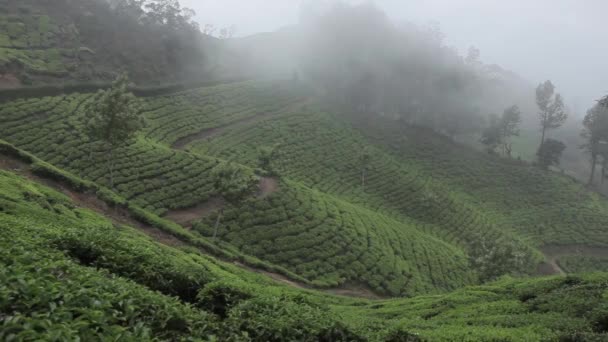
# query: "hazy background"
561,40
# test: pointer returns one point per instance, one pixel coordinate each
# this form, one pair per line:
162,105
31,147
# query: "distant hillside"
77,41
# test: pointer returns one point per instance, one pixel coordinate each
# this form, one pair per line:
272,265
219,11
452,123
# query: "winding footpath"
121,216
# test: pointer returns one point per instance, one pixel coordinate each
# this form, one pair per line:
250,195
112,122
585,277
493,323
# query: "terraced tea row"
333,243
33,41
324,153
544,207
178,116
60,261
152,176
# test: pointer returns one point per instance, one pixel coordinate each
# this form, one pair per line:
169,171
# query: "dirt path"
268,186
344,291
186,217
182,143
122,217
90,201
554,252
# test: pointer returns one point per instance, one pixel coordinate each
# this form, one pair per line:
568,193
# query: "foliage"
595,133
500,130
511,118
426,199
550,153
47,43
49,294
266,156
491,136
551,105
114,117
232,182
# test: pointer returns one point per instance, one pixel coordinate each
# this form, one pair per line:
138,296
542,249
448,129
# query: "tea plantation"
315,235
431,215
68,273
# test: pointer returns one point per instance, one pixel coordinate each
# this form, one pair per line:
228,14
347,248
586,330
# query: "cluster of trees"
365,63
595,133
155,41
552,115
498,134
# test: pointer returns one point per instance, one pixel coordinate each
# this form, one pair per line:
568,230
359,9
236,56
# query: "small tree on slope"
113,118
234,184
550,153
509,126
551,105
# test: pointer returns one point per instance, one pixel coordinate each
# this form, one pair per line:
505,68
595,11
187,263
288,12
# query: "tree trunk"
363,179
593,162
542,139
217,223
111,166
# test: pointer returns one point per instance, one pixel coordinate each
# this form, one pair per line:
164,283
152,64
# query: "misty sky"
561,40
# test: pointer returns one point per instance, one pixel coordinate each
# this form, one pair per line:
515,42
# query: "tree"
595,131
266,155
550,153
551,105
233,183
491,136
500,130
509,126
364,161
114,117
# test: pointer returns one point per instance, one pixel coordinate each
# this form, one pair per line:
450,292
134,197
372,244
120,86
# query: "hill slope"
67,272
432,216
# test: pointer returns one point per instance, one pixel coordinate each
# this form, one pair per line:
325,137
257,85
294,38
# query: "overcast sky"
562,40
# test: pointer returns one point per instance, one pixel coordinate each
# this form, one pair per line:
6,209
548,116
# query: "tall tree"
551,105
234,184
595,131
114,117
509,127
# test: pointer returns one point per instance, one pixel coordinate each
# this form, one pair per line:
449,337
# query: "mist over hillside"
349,177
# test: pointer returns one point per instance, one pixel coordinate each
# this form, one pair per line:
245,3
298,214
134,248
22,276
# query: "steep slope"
151,175
68,272
413,228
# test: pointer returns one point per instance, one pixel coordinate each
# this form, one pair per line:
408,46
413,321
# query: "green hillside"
68,271
433,216
59,42
306,184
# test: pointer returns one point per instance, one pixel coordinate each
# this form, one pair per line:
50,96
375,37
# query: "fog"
561,40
